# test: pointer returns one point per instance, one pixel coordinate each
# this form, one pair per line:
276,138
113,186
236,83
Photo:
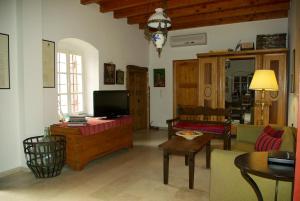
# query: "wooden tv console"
81,149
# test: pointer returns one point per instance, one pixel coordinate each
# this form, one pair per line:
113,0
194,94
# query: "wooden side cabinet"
277,100
212,81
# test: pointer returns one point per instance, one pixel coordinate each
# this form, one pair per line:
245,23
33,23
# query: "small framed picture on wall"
48,64
119,77
109,73
159,77
4,62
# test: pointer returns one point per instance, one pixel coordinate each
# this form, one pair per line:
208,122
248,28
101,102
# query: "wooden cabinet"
208,82
198,83
202,82
277,100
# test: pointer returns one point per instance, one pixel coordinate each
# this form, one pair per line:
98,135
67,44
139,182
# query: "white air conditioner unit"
188,40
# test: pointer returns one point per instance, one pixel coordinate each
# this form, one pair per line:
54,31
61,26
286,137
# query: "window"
69,85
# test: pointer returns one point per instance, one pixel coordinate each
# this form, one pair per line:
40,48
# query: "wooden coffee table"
188,148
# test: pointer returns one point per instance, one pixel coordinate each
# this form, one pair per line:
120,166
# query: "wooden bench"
203,119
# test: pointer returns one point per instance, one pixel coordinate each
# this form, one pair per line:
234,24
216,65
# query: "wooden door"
137,84
185,83
277,100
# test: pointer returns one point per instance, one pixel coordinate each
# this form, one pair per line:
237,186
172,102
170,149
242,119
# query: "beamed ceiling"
195,13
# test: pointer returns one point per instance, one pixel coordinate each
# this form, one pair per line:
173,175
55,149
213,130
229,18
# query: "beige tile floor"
127,175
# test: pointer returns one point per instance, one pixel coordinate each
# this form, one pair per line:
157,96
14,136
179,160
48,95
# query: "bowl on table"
189,134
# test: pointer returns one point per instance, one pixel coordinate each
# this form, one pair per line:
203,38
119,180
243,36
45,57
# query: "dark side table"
256,163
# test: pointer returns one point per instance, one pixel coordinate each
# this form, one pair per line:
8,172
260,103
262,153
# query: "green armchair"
226,181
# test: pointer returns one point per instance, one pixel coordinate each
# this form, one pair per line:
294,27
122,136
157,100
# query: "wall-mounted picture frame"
4,62
119,77
48,63
159,77
109,73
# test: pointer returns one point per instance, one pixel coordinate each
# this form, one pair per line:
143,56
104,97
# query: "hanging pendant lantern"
157,28
159,19
159,40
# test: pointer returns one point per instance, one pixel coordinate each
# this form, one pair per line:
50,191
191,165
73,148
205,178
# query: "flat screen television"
111,104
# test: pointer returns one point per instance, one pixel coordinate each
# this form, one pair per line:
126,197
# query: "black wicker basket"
45,156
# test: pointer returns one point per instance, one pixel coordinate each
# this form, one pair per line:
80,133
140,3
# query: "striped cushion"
265,142
272,132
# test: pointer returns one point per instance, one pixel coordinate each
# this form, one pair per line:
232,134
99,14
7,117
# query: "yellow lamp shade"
264,80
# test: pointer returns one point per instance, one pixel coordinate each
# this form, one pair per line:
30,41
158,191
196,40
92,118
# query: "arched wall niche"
90,61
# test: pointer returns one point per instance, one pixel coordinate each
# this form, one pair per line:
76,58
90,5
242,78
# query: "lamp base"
261,105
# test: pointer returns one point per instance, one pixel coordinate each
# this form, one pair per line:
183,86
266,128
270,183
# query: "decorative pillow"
272,132
265,142
268,129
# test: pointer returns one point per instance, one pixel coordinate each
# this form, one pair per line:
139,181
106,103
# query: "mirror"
238,98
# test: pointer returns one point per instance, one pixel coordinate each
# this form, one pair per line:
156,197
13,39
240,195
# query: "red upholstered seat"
217,129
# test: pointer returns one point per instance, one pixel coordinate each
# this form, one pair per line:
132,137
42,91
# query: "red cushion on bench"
217,129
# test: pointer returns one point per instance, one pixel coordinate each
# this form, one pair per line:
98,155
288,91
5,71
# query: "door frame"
134,68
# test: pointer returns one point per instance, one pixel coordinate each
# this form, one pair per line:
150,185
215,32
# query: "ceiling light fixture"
157,28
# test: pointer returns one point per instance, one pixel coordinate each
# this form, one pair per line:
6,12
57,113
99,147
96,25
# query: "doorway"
238,97
137,84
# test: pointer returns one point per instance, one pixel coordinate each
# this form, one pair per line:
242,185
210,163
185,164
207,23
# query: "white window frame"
68,53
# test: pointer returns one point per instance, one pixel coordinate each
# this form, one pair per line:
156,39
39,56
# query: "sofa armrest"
227,183
288,139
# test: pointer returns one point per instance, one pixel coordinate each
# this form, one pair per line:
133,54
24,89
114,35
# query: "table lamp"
263,80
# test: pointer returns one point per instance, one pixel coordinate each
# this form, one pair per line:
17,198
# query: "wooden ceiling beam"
233,5
195,13
231,12
265,16
85,2
113,5
149,8
228,20
225,5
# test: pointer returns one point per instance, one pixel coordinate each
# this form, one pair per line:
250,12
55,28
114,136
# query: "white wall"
218,37
293,40
10,144
116,41
26,108
30,61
